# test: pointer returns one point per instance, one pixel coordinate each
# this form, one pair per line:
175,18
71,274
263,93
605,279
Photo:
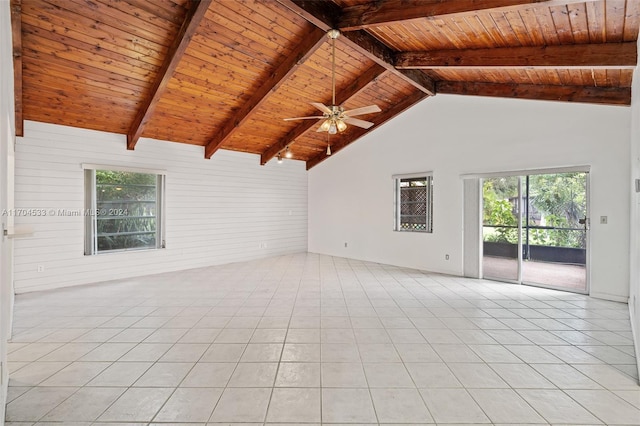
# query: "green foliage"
559,199
502,215
497,210
126,204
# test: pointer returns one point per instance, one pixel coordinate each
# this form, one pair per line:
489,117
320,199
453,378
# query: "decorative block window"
414,202
124,210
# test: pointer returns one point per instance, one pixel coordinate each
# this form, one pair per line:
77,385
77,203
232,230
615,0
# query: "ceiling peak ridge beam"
16,35
382,118
577,56
379,53
301,53
325,14
322,14
579,94
386,12
363,81
195,14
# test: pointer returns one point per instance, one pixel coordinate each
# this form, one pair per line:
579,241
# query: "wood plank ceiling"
223,74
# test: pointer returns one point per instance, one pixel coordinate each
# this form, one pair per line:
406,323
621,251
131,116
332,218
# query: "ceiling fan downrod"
333,34
335,116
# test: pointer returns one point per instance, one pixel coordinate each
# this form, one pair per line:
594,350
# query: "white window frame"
91,218
428,176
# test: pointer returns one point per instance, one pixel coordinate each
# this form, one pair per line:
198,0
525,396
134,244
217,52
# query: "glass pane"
500,228
127,210
414,195
554,240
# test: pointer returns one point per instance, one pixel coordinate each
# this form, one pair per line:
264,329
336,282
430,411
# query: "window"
414,202
123,210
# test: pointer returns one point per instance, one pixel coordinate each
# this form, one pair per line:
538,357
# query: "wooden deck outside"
557,275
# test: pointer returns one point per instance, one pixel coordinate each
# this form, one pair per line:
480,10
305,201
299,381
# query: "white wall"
634,282
217,211
7,132
351,195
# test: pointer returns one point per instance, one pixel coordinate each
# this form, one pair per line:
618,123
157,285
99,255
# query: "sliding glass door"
535,230
555,231
501,228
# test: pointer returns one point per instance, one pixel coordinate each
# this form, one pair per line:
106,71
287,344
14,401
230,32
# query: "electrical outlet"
446,257
345,245
603,220
40,268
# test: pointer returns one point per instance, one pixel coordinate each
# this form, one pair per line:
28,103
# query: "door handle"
584,221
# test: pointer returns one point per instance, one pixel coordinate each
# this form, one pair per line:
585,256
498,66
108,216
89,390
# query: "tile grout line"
352,271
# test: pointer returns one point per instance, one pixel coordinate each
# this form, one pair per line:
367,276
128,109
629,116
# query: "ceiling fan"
335,116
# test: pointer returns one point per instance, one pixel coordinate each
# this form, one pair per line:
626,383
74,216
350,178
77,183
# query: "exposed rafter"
343,96
594,95
589,56
379,120
385,57
301,53
324,14
16,34
102,65
387,12
197,10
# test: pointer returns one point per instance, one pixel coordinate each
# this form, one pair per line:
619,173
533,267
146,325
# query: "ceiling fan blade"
364,110
358,122
303,118
321,107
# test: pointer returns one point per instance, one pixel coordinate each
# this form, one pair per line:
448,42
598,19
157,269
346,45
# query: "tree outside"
126,210
499,211
557,202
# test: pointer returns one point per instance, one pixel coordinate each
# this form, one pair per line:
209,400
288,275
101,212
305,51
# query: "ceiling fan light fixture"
325,125
335,118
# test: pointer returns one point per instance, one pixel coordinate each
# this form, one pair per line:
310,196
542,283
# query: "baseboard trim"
634,334
3,393
610,297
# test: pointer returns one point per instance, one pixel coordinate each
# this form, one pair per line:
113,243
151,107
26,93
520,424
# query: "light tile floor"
315,339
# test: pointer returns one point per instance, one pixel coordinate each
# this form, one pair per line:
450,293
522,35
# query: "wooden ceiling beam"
370,47
301,53
344,95
581,94
16,35
582,56
379,119
325,14
386,12
195,14
322,14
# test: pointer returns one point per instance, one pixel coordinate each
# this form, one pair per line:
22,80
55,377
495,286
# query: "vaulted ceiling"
223,74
